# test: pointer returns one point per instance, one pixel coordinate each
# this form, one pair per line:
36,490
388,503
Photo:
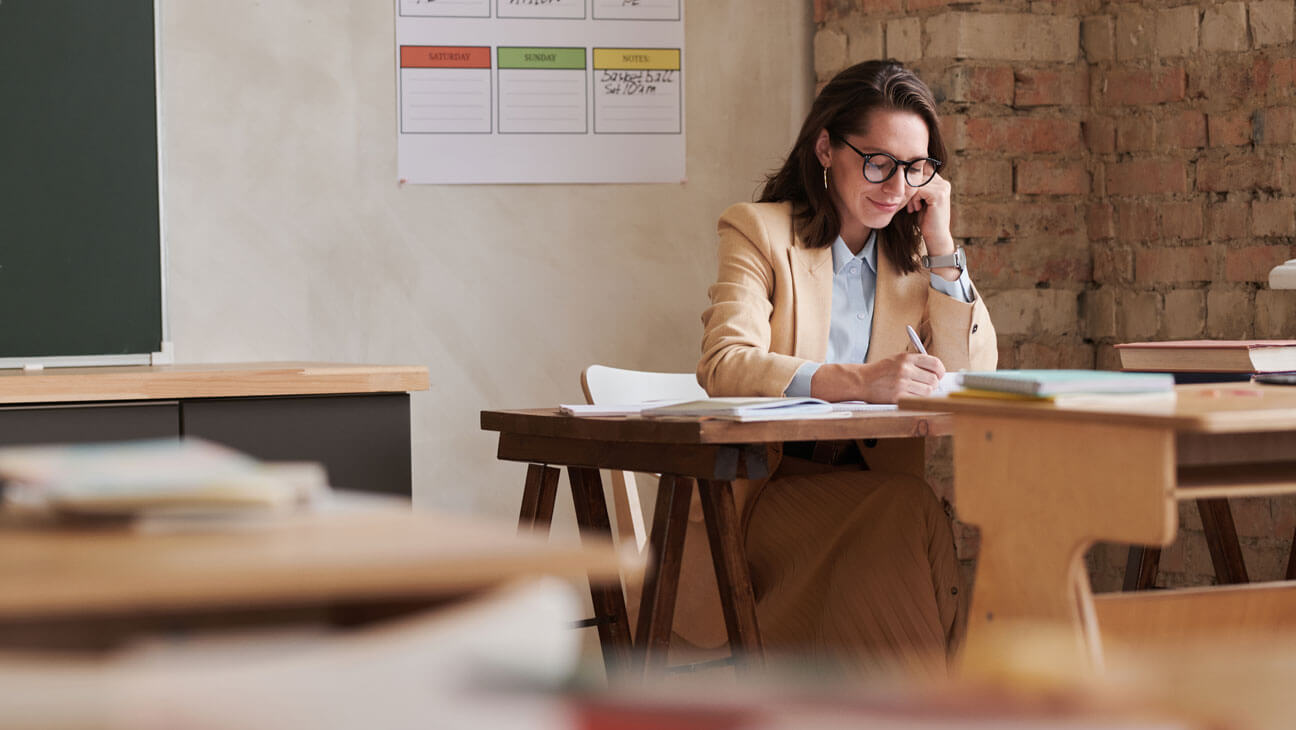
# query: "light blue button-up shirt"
854,290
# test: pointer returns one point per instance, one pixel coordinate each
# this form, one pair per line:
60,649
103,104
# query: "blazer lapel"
812,299
890,315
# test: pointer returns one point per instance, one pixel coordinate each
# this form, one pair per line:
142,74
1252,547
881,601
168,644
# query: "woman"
849,243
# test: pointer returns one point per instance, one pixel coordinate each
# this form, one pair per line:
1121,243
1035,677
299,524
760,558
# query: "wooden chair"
605,385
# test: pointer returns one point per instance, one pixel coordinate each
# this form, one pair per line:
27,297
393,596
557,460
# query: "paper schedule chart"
536,91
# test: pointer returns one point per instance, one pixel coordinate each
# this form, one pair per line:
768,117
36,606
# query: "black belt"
834,453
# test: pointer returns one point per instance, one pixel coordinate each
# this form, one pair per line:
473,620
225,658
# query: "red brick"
1113,265
1051,356
983,84
1181,220
1145,86
1052,88
1282,79
1026,261
1136,221
982,177
1227,220
1192,263
1047,177
1230,313
1100,221
1253,262
1100,134
1023,135
1008,220
1140,177
1238,172
1276,125
925,4
1185,130
1135,134
1227,78
1274,217
1228,129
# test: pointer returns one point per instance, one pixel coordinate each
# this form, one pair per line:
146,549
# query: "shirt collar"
842,255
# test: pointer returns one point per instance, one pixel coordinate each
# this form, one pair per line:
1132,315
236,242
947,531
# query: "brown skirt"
855,571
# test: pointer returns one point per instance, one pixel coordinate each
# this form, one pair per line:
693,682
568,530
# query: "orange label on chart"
445,57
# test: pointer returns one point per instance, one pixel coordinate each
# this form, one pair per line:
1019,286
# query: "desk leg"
1221,538
609,601
1141,568
666,545
538,497
732,574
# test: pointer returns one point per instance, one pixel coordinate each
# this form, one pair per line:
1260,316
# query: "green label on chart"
550,58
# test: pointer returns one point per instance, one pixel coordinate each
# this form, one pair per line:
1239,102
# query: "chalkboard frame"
163,354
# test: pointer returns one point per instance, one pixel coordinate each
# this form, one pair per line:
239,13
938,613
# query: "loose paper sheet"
540,91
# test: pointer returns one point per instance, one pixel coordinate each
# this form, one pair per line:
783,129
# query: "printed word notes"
445,89
637,91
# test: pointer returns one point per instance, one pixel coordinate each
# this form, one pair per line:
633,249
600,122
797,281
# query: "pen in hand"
917,343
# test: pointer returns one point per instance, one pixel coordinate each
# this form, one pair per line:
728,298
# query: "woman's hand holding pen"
884,381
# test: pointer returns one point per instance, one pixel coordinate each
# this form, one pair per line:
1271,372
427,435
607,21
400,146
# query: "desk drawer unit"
83,423
363,440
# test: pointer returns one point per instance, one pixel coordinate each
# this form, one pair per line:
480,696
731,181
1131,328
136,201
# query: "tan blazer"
770,312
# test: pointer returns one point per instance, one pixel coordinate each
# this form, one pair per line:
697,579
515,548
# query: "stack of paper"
172,476
1052,384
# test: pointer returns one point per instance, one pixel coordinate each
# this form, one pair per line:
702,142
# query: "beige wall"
288,238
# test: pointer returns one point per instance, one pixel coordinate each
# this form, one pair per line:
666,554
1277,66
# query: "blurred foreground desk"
355,419
711,452
1045,482
371,561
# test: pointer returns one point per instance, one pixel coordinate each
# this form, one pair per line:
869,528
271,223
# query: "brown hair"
842,108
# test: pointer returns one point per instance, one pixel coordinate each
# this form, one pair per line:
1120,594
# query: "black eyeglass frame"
906,164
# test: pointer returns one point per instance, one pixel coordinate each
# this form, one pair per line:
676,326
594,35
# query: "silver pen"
917,343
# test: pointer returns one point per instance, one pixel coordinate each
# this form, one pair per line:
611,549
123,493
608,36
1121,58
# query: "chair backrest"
613,386
605,385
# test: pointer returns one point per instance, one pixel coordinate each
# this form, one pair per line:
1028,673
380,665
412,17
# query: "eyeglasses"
879,166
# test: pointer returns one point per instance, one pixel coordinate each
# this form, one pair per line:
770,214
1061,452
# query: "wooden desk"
713,453
364,556
352,418
1045,482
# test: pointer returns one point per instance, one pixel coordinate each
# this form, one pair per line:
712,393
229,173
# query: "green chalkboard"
80,237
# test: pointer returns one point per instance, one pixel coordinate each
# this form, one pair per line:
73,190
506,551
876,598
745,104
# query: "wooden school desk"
713,453
1045,482
355,419
386,557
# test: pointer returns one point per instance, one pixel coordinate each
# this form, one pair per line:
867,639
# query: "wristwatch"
956,259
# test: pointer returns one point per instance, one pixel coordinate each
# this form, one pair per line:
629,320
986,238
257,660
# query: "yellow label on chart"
636,59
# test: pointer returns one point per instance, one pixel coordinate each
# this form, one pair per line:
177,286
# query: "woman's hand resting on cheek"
884,381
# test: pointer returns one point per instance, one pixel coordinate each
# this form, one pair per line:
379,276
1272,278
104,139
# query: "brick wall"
1122,171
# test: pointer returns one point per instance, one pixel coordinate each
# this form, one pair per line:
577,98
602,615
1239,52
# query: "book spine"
1003,385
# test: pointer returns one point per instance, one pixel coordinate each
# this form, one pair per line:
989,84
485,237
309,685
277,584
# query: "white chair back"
605,385
614,386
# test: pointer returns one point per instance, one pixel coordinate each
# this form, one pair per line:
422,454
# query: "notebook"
1045,383
767,408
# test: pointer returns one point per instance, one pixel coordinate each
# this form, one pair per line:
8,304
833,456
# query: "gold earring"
825,178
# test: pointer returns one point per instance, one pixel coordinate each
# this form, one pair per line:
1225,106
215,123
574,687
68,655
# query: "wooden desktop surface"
385,553
1203,408
550,422
229,380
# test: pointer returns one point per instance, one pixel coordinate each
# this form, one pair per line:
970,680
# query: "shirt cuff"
960,288
800,385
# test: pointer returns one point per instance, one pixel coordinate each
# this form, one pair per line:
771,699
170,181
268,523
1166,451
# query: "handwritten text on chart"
631,83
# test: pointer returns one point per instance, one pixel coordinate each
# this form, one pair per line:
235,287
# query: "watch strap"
955,259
